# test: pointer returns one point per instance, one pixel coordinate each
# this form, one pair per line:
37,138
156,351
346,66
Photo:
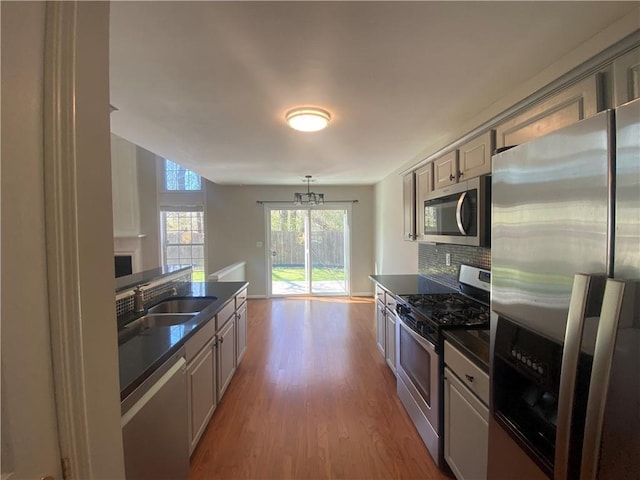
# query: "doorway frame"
347,206
79,243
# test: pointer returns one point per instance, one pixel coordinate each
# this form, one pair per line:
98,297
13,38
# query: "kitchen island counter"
144,352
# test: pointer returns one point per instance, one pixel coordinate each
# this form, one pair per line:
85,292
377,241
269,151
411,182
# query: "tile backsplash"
432,261
181,284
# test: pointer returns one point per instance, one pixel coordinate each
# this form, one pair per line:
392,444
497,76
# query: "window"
183,238
178,178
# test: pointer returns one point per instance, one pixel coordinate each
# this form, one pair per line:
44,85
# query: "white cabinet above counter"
124,184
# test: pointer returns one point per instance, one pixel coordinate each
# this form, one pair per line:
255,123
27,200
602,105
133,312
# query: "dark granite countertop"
409,284
474,344
130,281
142,354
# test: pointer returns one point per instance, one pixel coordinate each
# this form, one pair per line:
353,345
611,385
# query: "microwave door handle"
461,200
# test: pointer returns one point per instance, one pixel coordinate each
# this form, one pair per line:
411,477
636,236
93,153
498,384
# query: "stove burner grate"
451,309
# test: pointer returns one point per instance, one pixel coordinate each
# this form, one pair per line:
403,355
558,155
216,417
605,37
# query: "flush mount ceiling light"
307,119
308,198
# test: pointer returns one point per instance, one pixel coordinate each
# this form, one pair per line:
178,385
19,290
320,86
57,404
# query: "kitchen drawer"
199,340
475,379
380,293
225,314
241,298
390,302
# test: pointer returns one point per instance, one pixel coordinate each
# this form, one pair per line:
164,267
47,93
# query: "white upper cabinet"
124,180
424,186
471,160
475,156
445,170
569,106
626,77
409,205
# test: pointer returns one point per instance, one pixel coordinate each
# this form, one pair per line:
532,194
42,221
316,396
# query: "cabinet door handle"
469,377
460,174
452,177
222,341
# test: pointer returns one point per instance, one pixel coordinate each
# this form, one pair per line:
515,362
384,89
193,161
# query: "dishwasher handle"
149,394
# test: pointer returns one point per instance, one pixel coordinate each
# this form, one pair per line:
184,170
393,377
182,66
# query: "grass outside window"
296,274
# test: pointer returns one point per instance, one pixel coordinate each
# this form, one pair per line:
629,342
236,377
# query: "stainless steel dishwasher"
154,425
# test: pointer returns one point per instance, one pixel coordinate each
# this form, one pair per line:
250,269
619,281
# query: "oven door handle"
426,344
461,200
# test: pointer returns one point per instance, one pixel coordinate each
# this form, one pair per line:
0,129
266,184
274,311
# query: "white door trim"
79,258
62,258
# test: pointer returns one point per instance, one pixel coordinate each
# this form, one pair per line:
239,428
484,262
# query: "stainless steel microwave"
459,214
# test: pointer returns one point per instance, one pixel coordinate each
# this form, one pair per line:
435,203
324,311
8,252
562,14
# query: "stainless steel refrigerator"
565,326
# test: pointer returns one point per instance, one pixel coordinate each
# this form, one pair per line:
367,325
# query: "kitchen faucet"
138,299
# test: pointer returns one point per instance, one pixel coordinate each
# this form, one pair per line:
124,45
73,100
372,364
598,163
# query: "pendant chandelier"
309,198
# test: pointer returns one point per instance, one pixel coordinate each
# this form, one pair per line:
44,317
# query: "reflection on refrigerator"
565,317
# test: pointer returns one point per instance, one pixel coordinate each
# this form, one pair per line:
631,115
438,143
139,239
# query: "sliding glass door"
308,251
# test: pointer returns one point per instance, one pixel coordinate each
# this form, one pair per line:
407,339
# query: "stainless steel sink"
182,305
150,321
167,313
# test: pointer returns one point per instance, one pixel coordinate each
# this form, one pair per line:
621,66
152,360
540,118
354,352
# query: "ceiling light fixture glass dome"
308,119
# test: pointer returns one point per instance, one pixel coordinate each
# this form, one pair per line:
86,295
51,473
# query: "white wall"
235,223
393,253
29,431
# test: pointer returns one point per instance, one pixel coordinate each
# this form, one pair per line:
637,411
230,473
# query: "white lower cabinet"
466,426
226,355
201,385
212,357
390,351
241,332
380,326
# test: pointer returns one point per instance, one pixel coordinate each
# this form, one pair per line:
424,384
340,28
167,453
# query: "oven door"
417,366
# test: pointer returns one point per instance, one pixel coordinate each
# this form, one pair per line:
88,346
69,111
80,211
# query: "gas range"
420,342
429,313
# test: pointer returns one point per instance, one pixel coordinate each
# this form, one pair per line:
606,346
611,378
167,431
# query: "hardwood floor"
312,398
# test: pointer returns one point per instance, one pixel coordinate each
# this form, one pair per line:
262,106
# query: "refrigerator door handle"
600,376
461,200
570,356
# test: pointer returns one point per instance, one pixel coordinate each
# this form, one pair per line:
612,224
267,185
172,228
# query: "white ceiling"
207,84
